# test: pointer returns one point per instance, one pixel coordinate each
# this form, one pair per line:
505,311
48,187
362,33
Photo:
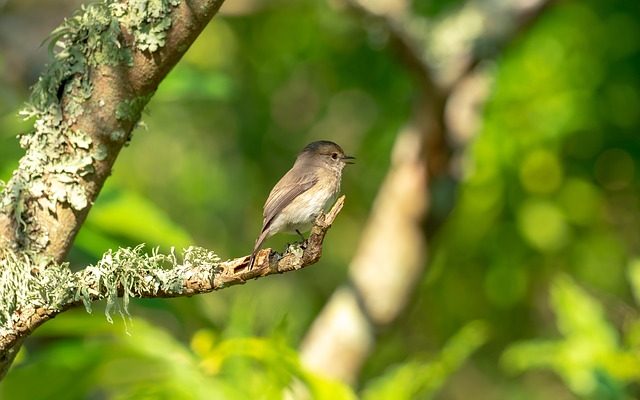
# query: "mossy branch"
106,61
130,272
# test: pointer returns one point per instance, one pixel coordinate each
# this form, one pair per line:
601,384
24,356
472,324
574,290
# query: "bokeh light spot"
541,172
216,47
542,224
581,201
614,169
599,260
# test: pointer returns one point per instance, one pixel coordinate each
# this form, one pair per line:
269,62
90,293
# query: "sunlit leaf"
422,379
588,348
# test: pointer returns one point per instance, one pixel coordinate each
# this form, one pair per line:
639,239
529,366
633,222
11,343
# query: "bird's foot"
304,242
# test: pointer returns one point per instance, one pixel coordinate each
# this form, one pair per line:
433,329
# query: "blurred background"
495,186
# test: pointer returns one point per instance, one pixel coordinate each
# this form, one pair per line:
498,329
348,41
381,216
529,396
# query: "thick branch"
112,56
51,192
199,272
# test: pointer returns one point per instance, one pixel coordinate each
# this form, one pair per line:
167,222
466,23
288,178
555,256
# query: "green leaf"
423,379
99,358
121,213
587,350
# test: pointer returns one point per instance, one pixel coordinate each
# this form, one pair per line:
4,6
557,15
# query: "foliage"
419,379
150,362
590,357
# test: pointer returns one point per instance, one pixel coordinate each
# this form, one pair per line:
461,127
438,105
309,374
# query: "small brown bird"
309,187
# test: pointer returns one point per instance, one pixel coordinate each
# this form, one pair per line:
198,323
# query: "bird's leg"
304,241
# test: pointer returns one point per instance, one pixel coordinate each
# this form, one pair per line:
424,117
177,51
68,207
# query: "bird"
306,190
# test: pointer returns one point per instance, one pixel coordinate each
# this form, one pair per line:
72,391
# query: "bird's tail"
256,248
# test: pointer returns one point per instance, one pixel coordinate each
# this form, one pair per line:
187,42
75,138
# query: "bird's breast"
303,210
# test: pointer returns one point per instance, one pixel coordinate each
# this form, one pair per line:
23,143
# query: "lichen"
59,156
127,270
101,152
129,110
147,20
132,272
117,135
28,282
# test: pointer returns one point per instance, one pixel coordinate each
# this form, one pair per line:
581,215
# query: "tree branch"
128,273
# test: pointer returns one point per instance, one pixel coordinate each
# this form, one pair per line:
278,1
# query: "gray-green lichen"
29,282
59,156
147,20
117,135
129,110
127,272
131,272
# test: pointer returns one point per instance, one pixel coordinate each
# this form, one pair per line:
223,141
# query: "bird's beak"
348,159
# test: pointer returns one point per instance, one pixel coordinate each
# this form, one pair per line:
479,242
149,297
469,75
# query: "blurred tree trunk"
425,166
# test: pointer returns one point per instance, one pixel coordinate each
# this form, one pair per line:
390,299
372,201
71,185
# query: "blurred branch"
517,17
445,49
129,273
422,163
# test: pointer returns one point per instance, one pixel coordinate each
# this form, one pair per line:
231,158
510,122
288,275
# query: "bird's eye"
334,156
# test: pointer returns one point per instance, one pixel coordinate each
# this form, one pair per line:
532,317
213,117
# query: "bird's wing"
284,192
